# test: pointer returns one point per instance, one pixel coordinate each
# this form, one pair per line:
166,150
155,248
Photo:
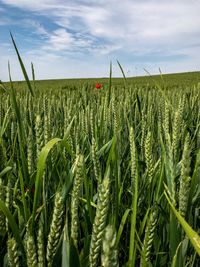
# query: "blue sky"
78,38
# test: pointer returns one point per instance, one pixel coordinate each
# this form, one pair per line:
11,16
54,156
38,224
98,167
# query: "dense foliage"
100,177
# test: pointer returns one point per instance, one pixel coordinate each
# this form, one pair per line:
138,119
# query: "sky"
79,38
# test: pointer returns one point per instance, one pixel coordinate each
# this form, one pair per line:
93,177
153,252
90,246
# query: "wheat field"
100,177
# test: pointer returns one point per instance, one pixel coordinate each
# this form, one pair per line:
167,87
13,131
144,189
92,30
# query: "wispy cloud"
34,25
5,21
61,39
160,31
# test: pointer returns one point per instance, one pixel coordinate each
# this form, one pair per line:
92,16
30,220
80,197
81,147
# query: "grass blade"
121,227
22,66
192,235
40,171
110,84
120,66
13,225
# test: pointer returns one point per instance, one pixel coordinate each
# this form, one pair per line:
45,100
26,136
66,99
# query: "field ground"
175,80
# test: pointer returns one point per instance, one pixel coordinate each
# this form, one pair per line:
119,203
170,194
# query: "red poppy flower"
98,85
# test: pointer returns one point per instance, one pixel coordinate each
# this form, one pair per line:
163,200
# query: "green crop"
100,177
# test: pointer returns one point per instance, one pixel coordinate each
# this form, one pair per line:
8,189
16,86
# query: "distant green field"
167,80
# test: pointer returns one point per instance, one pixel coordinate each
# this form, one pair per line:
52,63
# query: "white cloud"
65,41
30,4
131,24
59,40
116,29
35,26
